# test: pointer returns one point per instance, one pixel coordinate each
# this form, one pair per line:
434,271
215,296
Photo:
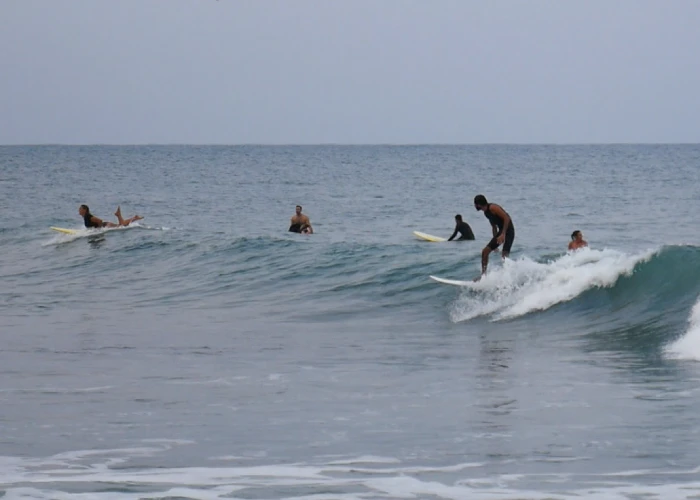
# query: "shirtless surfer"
91,221
577,241
502,227
298,220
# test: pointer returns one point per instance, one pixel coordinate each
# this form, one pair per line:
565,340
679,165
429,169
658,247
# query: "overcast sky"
349,71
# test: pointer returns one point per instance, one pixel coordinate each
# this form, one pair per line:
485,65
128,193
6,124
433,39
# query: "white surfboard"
451,282
93,230
428,237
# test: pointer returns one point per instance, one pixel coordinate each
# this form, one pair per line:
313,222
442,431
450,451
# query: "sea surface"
207,353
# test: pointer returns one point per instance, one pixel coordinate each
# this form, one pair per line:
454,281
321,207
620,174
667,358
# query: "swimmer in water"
577,241
298,220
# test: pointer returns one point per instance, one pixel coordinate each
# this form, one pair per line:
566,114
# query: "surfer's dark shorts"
510,236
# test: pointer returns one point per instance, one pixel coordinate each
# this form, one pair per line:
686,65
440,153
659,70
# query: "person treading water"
298,221
577,241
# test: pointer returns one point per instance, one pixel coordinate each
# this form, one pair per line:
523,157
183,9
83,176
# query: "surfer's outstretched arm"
453,235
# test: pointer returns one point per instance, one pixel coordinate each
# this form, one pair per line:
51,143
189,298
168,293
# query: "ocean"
205,352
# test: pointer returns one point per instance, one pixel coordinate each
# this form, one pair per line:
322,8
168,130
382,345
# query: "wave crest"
523,286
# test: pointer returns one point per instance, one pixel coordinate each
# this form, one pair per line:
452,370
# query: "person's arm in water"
454,234
497,210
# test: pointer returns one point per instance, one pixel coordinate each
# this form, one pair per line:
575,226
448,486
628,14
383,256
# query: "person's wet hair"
86,208
458,218
480,200
575,234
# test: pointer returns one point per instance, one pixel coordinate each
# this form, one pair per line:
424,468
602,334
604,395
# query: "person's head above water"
84,209
480,202
576,235
298,209
458,218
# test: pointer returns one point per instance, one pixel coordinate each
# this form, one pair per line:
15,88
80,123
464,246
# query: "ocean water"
207,353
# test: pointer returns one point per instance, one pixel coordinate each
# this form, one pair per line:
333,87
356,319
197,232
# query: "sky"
349,71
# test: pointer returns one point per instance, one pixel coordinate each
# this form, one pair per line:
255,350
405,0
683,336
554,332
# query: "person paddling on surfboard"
298,220
463,228
91,221
502,227
577,241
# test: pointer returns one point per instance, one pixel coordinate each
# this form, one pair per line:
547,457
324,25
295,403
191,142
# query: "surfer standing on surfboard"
463,228
92,221
502,226
298,220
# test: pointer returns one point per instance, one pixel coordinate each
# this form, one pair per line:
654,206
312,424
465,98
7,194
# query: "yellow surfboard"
428,237
64,230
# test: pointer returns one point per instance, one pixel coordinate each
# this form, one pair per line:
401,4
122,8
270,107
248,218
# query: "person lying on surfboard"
298,220
91,221
462,228
502,227
577,241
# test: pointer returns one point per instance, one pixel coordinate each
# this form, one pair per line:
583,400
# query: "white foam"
41,479
366,459
688,346
523,286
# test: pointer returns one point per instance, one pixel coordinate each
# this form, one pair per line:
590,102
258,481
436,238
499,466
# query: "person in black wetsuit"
502,226
92,222
463,228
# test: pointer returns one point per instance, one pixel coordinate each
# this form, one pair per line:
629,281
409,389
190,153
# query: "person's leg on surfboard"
125,222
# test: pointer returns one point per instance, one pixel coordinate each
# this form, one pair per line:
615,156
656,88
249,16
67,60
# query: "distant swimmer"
577,241
298,220
91,221
463,228
502,227
306,229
